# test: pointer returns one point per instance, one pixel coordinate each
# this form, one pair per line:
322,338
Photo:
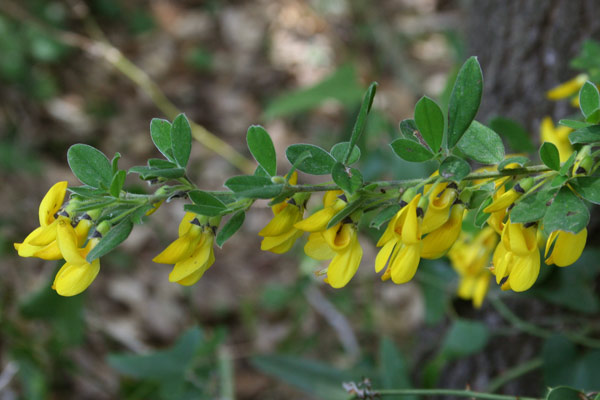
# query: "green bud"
408,195
278,180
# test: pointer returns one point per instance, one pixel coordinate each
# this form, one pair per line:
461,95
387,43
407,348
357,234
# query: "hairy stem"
448,392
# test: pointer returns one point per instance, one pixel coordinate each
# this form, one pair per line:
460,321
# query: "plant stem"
514,373
448,392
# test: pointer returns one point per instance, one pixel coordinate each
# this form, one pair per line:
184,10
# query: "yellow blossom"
559,136
567,89
192,253
401,242
438,242
567,247
317,222
77,274
440,200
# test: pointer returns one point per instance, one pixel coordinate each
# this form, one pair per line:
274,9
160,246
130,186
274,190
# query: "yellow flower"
568,88
338,243
76,274
516,258
503,201
559,136
401,243
567,247
441,198
438,242
192,253
470,257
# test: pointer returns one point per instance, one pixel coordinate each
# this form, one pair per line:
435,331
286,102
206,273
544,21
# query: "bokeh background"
259,325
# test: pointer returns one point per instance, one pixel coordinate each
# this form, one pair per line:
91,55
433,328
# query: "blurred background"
259,325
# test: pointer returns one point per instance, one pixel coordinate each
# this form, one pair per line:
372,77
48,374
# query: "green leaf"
315,378
393,369
464,338
454,168
591,134
384,216
117,183
86,191
90,165
566,167
549,156
574,124
589,100
517,137
350,181
480,216
102,202
361,119
160,131
566,213
206,203
342,85
159,163
115,162
112,239
163,364
151,172
588,187
251,186
411,151
319,163
521,160
430,122
181,140
345,212
262,149
565,393
482,144
464,100
260,171
408,130
531,208
230,227
338,151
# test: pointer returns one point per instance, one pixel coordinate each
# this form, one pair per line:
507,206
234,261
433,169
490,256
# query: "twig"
514,373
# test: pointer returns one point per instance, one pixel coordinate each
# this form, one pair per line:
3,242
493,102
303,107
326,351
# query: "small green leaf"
361,119
339,150
86,191
574,124
206,203
454,168
181,140
588,187
151,173
517,137
464,338
464,100
408,130
478,197
112,239
566,213
589,99
411,151
251,186
566,167
558,181
262,148
345,212
430,122
531,208
482,144
230,227
102,202
480,216
90,165
115,162
319,163
160,131
350,181
117,183
159,163
549,156
565,393
384,216
521,160
591,134
260,171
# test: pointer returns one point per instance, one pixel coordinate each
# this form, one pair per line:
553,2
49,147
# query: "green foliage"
361,120
464,100
482,144
90,165
112,239
230,227
320,161
514,133
262,149
565,365
589,59
588,187
430,122
160,131
532,208
566,213
589,134
393,369
410,150
349,180
205,204
549,156
181,140
454,168
254,187
339,150
589,102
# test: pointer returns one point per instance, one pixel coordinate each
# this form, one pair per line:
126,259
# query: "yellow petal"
197,261
52,202
568,88
181,248
502,262
45,235
438,209
81,231
411,226
318,221
340,236
49,252
384,255
404,265
74,279
390,232
567,248
195,277
316,247
331,197
282,222
281,243
67,243
525,271
481,288
185,224
344,265
438,242
502,202
284,247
